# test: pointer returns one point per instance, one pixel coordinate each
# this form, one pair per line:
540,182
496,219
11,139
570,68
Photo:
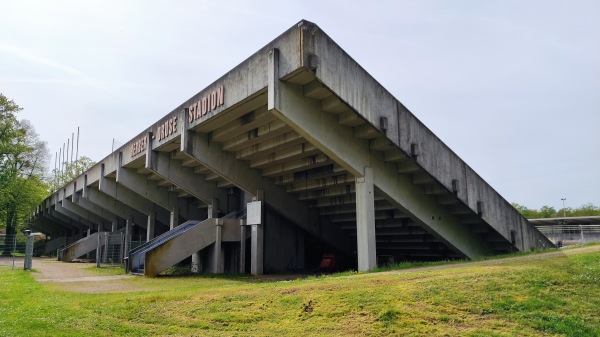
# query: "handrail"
159,240
181,228
80,240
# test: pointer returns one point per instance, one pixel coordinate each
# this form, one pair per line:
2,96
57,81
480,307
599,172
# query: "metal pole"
77,149
55,172
67,158
564,211
14,250
72,136
59,167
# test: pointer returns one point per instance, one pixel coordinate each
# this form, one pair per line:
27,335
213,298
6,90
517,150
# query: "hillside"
547,294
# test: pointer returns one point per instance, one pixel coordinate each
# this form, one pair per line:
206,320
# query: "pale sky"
513,87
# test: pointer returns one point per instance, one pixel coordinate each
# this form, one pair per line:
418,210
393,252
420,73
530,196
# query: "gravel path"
74,277
78,277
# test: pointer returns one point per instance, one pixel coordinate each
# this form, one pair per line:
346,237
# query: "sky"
512,87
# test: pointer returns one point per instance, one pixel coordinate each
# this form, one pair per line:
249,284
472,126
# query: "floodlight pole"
564,212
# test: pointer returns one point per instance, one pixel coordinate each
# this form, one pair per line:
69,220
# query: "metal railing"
565,235
136,255
12,247
112,250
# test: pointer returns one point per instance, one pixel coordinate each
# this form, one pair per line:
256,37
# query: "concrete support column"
174,218
242,247
150,226
128,235
115,225
98,251
196,260
217,255
257,241
196,263
105,240
365,221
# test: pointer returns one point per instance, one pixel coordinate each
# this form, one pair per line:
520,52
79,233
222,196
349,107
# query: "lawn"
545,295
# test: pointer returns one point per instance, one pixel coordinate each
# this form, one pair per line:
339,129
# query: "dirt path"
79,277
74,277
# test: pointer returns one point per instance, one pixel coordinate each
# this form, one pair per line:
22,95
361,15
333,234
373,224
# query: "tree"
23,159
547,212
526,212
550,212
70,171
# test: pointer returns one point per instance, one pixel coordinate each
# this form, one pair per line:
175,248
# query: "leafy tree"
550,212
547,212
70,171
586,210
22,165
526,212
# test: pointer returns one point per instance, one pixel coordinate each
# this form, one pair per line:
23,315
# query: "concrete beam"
112,205
63,220
148,189
337,141
225,164
94,209
46,227
58,207
82,212
65,225
183,177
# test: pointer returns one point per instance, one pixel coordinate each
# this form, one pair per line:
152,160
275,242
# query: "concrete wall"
283,242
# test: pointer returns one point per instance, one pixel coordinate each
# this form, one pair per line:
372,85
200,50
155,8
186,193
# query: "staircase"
179,243
81,247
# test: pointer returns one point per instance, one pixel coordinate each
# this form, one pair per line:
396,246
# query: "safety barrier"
136,256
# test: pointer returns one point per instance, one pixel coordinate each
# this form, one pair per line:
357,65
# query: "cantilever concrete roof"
575,220
302,121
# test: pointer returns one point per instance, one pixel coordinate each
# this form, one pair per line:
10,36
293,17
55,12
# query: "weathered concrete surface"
300,120
180,247
82,247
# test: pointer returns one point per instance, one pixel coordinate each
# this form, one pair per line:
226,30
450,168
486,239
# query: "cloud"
76,76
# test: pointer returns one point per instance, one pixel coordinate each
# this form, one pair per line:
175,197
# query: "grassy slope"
548,295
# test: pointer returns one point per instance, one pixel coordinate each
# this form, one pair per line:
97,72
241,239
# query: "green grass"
545,296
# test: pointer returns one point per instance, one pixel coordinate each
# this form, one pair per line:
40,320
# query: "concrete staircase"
181,242
81,247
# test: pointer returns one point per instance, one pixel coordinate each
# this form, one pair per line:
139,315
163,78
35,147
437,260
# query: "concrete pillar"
98,251
174,218
257,241
365,221
196,260
242,247
105,239
128,236
115,225
217,255
150,226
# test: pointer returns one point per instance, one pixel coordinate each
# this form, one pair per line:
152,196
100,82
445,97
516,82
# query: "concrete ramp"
81,247
181,242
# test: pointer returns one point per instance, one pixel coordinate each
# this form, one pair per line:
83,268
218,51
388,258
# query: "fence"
113,248
12,246
566,235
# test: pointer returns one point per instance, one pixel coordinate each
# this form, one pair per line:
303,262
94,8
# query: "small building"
568,231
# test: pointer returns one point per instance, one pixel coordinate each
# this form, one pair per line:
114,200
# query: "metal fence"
566,235
114,247
12,246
